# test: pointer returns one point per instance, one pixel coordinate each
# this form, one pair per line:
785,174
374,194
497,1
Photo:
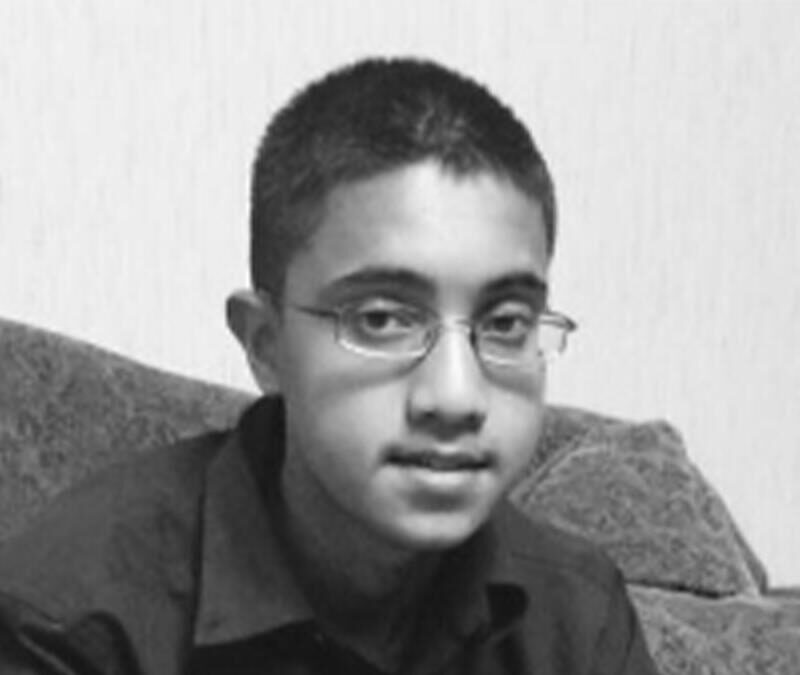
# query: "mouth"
440,460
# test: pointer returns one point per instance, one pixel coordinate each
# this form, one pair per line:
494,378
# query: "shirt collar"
487,576
246,586
246,583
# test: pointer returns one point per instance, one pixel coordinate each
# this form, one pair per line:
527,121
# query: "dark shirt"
173,564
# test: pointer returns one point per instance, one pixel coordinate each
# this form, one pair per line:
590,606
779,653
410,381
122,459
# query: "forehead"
456,233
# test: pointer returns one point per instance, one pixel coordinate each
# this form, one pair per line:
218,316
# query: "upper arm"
621,647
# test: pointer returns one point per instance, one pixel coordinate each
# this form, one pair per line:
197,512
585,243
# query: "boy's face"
415,453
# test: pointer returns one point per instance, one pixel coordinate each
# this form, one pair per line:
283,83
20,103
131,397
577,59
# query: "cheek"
515,421
522,429
337,403
339,397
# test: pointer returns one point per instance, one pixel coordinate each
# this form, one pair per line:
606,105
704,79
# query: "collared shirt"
172,564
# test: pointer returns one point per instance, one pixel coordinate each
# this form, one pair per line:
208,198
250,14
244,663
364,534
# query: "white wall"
673,129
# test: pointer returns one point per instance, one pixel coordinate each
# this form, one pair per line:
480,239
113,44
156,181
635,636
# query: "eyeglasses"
514,337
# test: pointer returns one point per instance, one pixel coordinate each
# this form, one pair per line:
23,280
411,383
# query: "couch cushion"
67,408
632,489
739,635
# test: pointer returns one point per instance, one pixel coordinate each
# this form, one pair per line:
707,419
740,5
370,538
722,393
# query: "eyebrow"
379,278
526,283
400,278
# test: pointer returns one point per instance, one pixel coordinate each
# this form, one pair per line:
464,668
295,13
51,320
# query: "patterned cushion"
67,408
633,490
740,635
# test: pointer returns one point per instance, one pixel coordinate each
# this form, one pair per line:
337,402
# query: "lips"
434,459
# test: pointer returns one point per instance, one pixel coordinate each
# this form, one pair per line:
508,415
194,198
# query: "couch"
68,408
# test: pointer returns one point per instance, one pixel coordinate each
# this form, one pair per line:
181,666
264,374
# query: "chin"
433,533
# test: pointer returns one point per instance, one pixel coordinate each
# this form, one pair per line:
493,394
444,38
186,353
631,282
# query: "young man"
403,223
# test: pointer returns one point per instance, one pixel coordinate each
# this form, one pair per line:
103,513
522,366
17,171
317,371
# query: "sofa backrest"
68,408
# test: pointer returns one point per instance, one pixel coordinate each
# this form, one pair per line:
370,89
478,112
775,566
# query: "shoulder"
576,602
552,562
129,526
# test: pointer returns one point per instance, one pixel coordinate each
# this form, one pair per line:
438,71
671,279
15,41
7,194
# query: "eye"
383,320
509,322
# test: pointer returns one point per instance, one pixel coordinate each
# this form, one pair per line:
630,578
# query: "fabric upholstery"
633,490
690,634
68,408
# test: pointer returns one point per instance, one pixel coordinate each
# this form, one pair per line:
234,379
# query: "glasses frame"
432,334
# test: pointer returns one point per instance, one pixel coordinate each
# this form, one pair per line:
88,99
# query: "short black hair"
367,118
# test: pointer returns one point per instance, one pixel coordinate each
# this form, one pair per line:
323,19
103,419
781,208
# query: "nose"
448,391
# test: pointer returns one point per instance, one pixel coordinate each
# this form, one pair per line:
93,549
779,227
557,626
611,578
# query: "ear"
255,321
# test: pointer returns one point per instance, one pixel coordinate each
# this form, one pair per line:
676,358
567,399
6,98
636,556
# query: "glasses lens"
553,332
519,351
384,330
544,339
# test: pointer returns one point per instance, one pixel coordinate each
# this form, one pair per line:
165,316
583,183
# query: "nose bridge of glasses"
457,323
461,323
